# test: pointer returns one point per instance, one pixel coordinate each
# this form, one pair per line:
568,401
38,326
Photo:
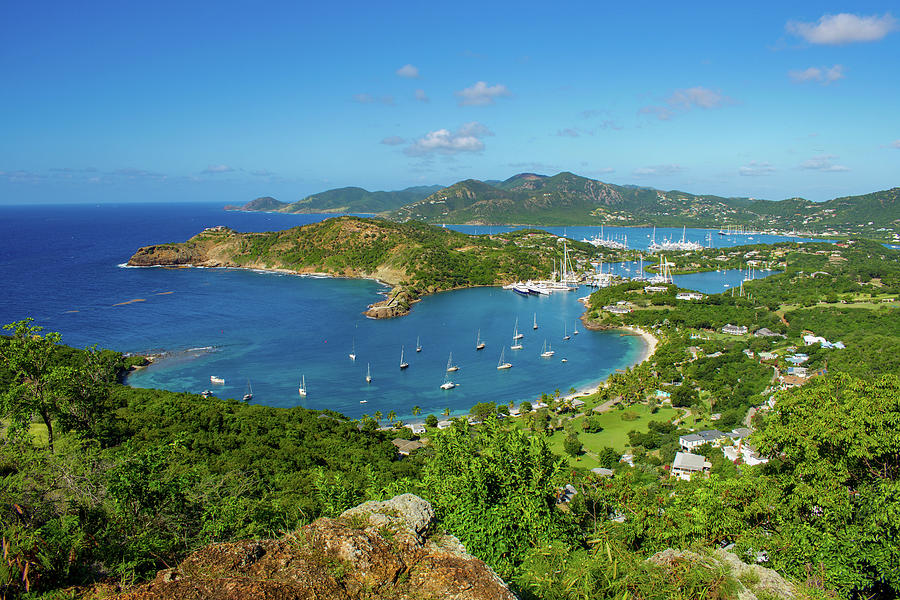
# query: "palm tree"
391,416
416,410
378,416
446,412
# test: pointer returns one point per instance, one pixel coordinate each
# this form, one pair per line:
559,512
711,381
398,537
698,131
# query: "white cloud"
481,94
408,71
443,141
133,173
756,169
844,28
658,170
823,162
823,75
212,169
394,140
421,96
684,100
370,99
568,132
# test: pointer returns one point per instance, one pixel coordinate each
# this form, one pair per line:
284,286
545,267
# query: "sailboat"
565,333
576,329
516,334
547,352
368,374
418,345
403,363
535,321
302,388
450,366
353,350
479,345
249,395
501,364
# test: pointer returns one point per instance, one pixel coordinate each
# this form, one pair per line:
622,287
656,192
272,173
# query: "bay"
61,265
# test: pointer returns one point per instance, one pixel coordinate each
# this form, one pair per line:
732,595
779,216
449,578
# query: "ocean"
62,266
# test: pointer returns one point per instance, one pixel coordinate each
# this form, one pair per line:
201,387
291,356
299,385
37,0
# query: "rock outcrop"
752,581
377,550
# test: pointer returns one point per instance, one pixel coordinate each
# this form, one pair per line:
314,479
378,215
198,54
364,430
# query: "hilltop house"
689,296
734,329
695,440
686,464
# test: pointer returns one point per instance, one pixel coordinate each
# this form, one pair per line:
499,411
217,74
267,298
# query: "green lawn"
614,434
37,430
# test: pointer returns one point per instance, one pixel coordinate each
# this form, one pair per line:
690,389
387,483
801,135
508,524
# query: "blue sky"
228,101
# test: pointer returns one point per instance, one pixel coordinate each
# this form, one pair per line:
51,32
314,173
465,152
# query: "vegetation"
569,199
417,258
344,200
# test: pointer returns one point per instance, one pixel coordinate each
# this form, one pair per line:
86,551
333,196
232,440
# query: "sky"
228,101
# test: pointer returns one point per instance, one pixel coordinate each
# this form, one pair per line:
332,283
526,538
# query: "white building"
689,296
695,440
686,464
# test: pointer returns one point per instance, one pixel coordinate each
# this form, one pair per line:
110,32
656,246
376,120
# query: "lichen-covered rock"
377,550
749,580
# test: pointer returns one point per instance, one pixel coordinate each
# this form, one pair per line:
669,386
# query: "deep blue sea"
61,265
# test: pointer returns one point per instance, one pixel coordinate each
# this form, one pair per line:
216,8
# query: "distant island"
415,258
569,199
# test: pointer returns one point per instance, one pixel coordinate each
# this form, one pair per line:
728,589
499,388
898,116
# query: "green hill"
569,199
265,203
345,200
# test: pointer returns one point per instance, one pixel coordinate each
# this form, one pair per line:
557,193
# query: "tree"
525,408
378,416
572,445
416,410
39,386
391,416
446,412
481,410
431,421
608,457
495,489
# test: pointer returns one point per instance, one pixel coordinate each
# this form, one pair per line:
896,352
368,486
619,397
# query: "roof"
602,472
406,446
689,462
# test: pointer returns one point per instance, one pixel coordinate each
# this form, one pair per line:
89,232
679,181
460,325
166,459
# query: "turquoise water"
60,265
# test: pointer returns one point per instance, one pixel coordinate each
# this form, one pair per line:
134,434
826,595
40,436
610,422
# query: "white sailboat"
547,352
501,364
576,329
368,374
535,321
403,363
353,350
479,345
516,334
447,385
302,388
249,395
418,345
450,366
565,333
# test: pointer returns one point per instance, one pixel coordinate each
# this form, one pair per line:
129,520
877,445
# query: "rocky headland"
378,550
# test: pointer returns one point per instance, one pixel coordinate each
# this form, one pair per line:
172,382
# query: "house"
767,355
628,459
797,359
689,296
789,381
576,404
744,453
406,447
444,424
602,472
686,464
734,329
417,428
695,440
656,288
748,352
798,372
618,310
766,332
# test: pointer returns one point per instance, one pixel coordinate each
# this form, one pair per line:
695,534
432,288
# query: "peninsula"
416,259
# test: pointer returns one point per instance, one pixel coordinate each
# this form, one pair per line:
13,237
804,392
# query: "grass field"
614,434
37,430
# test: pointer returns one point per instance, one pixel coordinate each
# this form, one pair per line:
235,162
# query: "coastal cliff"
377,550
414,258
